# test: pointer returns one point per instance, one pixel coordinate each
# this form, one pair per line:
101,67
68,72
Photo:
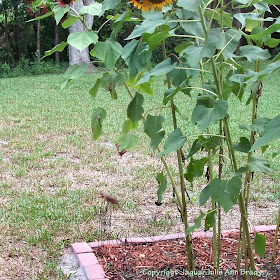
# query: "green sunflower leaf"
108,51
148,25
81,40
162,186
98,116
127,142
197,223
205,117
174,142
259,244
58,48
153,128
135,108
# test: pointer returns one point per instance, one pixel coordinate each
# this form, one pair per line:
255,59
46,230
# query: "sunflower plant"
206,66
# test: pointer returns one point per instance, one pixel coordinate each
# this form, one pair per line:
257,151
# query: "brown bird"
110,199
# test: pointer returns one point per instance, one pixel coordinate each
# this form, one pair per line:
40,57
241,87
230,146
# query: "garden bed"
167,259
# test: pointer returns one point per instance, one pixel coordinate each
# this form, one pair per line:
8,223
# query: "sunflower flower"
146,5
63,3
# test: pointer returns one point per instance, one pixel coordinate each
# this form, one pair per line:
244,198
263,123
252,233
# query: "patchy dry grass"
51,172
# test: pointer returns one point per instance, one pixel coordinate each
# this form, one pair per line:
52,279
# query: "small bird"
110,199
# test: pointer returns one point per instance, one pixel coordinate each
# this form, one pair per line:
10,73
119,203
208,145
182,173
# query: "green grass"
51,170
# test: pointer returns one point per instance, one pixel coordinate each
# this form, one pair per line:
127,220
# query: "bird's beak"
101,195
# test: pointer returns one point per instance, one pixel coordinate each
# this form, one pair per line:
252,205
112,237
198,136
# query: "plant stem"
275,240
80,18
248,174
231,152
221,152
215,255
184,212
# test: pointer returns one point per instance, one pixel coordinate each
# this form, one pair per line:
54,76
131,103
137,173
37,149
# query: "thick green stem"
215,254
172,183
275,240
247,179
182,179
221,153
253,117
80,18
232,154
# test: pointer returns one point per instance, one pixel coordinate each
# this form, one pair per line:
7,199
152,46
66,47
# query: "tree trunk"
7,37
76,56
56,40
17,33
38,45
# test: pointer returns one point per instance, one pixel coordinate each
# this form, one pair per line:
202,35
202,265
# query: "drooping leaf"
194,54
58,48
204,195
136,55
196,146
272,42
269,69
74,72
128,125
162,186
93,91
191,27
190,5
196,225
243,146
271,133
162,68
156,39
174,142
183,45
37,3
258,125
81,40
98,116
153,128
253,53
69,21
109,5
135,108
94,9
146,88
210,142
41,17
178,76
232,38
205,117
259,244
210,220
170,93
243,17
108,51
148,25
259,164
127,142
267,31
225,192
195,168
59,12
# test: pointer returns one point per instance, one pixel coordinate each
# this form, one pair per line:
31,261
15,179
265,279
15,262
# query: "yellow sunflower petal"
151,4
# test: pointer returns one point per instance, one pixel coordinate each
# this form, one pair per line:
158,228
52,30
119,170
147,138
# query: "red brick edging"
94,270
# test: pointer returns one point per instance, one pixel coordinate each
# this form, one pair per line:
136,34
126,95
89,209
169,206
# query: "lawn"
51,171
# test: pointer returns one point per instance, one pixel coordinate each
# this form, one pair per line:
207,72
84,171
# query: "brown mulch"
168,260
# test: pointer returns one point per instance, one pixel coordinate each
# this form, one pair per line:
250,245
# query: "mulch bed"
168,260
